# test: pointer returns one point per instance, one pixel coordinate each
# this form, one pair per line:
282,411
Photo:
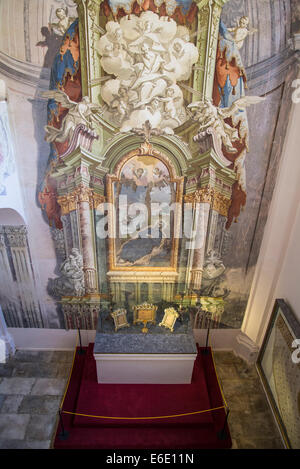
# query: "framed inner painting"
278,365
145,221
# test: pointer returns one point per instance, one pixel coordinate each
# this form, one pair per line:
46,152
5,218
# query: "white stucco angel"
79,113
210,116
241,31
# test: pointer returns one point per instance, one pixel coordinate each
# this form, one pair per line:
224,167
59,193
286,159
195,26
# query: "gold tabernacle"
144,313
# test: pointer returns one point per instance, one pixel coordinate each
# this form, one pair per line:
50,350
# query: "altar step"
93,401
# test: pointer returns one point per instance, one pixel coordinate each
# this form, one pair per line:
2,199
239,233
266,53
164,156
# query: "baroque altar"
147,165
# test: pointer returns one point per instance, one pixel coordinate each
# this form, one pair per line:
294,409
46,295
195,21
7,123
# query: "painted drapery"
65,76
229,85
182,11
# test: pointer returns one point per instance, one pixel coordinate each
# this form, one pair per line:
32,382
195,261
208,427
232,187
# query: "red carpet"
86,396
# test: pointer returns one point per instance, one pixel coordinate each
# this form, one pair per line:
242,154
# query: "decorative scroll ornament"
71,281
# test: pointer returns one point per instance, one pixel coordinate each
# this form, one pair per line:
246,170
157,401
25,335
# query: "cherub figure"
64,22
79,113
170,110
120,104
241,31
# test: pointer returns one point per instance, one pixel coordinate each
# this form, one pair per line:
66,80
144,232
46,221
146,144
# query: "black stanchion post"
206,351
222,434
64,435
80,351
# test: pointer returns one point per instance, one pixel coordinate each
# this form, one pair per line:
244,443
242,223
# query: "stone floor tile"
234,443
13,426
32,356
40,427
259,443
2,399
44,444
63,370
235,388
40,405
246,371
226,357
11,404
6,370
62,356
23,444
228,371
35,369
258,403
16,385
49,386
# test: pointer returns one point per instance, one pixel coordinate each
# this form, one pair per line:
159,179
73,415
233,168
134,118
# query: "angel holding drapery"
82,112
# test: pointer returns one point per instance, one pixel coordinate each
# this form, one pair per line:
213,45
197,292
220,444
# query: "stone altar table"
157,357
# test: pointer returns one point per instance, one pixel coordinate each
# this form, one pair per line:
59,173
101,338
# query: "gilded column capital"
67,203
81,193
219,202
203,195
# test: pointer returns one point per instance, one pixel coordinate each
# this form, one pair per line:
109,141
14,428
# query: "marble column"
201,223
74,229
212,230
87,239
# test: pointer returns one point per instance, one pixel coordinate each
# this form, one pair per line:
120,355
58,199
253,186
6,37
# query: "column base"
245,348
9,347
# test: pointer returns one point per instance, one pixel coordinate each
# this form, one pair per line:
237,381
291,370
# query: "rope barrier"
143,418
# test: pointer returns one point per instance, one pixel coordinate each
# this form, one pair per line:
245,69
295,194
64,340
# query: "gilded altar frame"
110,179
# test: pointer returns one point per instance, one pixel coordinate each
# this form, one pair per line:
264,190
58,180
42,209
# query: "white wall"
288,285
277,273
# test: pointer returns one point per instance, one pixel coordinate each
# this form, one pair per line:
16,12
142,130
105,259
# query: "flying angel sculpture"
82,112
210,116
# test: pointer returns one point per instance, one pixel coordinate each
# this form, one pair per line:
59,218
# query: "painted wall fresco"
7,166
230,254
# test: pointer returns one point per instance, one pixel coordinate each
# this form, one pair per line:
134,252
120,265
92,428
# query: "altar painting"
144,197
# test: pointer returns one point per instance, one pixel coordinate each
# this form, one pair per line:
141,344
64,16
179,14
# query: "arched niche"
9,216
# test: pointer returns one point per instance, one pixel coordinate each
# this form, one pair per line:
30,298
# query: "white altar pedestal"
145,368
